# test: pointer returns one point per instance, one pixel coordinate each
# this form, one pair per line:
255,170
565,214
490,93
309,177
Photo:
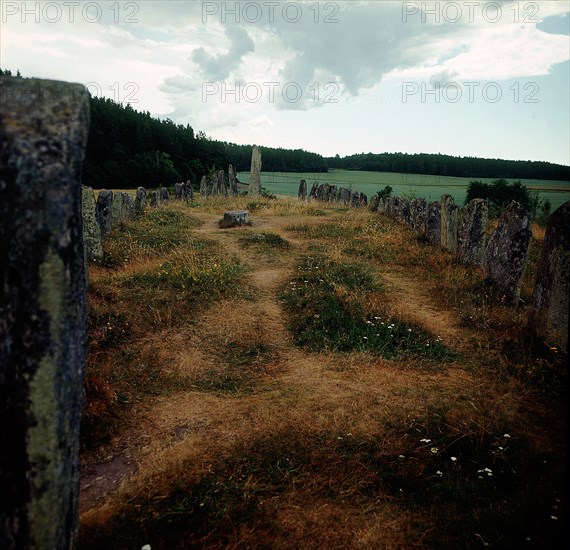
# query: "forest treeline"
128,148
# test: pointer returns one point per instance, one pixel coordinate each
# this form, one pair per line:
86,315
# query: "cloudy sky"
469,78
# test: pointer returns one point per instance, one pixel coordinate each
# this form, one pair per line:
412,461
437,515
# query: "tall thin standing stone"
549,316
449,223
117,210
164,195
154,199
128,212
91,229
255,174
140,201
362,200
433,223
178,189
222,183
233,181
373,206
302,193
334,193
42,310
203,187
188,192
472,235
214,185
507,252
104,211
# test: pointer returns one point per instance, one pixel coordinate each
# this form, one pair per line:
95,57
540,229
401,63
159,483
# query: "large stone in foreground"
255,173
234,218
507,252
472,235
42,310
549,316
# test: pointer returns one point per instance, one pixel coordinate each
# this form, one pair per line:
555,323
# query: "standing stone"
164,195
355,198
314,189
433,224
255,174
507,253
117,211
449,223
178,190
390,208
214,185
362,200
140,201
128,212
91,229
344,195
334,193
549,315
233,181
381,206
154,199
104,211
302,193
373,206
419,215
203,187
222,183
188,192
405,214
472,235
42,310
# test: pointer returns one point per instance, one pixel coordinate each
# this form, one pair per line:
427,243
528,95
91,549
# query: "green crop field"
420,185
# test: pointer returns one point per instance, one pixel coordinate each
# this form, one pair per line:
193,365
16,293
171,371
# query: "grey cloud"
218,68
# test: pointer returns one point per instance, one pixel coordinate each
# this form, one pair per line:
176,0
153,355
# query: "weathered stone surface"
164,195
188,191
381,206
314,189
178,191
449,223
140,201
471,238
419,215
507,252
390,208
154,199
344,195
92,241
373,206
234,218
405,214
355,199
203,187
128,212
433,224
302,193
42,310
362,200
549,316
255,173
104,211
233,181
222,183
117,211
214,186
334,193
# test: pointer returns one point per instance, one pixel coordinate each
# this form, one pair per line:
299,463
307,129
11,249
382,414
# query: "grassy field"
322,378
422,186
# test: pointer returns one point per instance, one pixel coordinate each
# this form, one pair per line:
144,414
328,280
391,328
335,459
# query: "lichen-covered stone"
381,206
178,190
233,181
255,173
104,211
302,193
92,241
203,187
373,206
128,211
549,316
314,189
154,199
433,224
344,195
419,215
355,199
234,218
188,191
42,309
117,210
506,256
222,184
164,195
140,201
471,238
449,223
362,200
334,193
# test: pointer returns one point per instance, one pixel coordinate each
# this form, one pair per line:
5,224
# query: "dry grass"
242,439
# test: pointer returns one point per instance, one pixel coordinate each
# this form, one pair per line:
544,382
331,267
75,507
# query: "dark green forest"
128,148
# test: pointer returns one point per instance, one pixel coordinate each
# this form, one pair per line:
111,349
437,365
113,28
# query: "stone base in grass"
234,218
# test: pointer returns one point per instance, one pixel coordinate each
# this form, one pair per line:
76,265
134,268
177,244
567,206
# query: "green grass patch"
265,240
325,306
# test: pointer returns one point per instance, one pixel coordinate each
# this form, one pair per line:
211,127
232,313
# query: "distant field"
428,187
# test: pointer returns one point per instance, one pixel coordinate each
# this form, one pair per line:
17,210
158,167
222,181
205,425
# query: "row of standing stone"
503,257
332,193
219,184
